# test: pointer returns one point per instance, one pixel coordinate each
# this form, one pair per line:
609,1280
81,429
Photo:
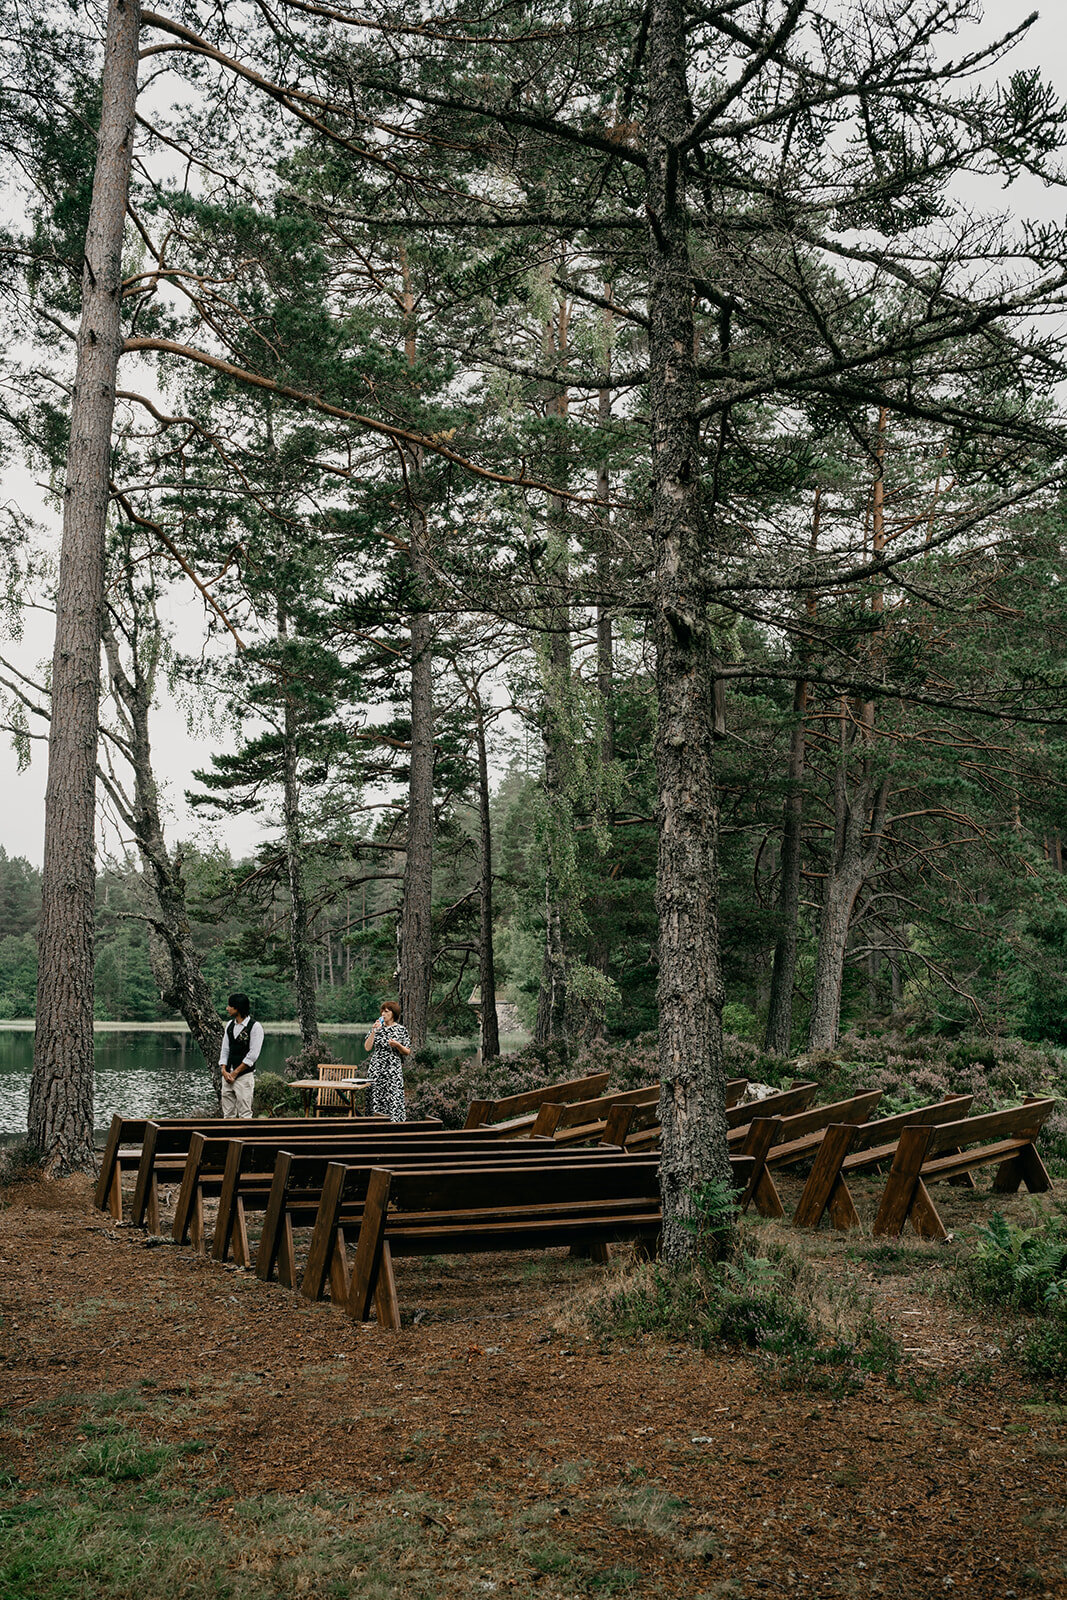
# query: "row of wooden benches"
420,1187
415,1191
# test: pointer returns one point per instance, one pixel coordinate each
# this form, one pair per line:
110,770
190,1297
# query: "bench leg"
324,1233
386,1303
241,1253
1026,1166
287,1254
197,1233
145,1173
370,1247
189,1191
229,1204
340,1277
842,1208
924,1217
105,1183
759,1140
825,1174
153,1206
114,1199
904,1177
270,1238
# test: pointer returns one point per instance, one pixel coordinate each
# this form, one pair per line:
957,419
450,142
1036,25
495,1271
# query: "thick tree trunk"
594,1020
780,1010
175,964
860,815
299,919
416,936
60,1121
415,965
486,964
692,1101
552,1019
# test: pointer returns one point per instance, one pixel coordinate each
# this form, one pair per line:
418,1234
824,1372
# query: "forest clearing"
174,1427
532,545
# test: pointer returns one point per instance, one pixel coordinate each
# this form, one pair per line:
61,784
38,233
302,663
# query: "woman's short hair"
394,1007
241,1004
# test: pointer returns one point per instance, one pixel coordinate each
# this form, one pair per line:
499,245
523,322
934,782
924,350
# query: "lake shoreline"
29,1025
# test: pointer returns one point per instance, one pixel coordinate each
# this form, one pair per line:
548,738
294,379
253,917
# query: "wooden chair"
330,1099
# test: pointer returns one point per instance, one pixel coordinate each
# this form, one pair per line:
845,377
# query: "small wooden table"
348,1088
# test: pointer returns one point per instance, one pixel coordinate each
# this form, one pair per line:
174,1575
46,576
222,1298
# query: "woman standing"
388,1043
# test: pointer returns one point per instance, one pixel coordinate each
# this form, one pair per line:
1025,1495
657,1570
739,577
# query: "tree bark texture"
60,1121
486,964
415,966
692,1100
552,1020
175,964
859,816
783,975
299,919
416,931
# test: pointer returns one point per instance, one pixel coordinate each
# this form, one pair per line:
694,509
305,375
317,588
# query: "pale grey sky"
179,751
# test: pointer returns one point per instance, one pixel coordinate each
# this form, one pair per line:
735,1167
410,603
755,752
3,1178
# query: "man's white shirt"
255,1042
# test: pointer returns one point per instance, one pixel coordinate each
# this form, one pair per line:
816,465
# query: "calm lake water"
144,1072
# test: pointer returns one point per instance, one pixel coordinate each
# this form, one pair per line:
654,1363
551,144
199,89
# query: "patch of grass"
549,1557
813,1330
20,1163
612,1580
101,1537
115,1454
650,1509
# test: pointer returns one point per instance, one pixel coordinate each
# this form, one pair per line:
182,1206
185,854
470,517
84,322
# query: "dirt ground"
515,1457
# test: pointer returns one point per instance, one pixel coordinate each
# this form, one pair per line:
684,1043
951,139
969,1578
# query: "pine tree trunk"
780,1010
299,919
60,1121
693,1099
486,965
860,814
416,940
552,1022
415,965
175,964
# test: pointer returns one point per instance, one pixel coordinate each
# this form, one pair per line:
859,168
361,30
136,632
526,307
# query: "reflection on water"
159,1073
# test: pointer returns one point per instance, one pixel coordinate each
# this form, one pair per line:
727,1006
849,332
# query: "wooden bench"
605,1118
585,1119
925,1155
643,1132
165,1150
516,1113
326,1193
240,1170
458,1212
125,1142
781,1141
870,1145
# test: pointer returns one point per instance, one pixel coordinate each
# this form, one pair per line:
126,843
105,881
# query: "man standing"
241,1044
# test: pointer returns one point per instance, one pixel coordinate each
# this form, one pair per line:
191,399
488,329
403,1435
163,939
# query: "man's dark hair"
241,1004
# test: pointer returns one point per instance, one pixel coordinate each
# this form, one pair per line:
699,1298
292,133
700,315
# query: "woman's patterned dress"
387,1073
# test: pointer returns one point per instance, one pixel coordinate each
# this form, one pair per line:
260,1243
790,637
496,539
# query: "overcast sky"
180,750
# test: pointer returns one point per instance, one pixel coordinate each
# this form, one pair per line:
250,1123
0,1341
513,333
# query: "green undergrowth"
1024,1269
119,1515
274,1097
749,1289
